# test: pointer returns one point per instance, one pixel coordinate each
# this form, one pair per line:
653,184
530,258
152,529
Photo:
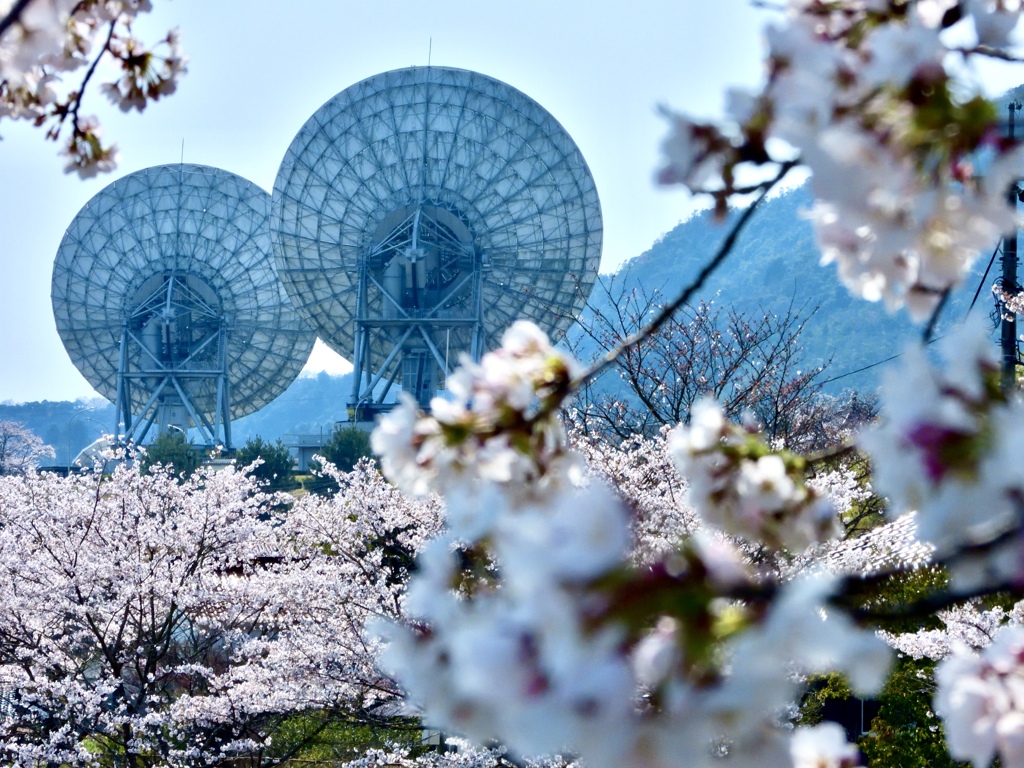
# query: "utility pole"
1008,328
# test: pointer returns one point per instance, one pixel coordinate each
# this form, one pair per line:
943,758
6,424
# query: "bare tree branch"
669,309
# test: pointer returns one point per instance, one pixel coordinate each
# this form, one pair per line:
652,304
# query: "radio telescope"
167,300
420,212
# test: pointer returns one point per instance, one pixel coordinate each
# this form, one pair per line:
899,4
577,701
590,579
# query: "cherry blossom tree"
20,449
44,44
148,621
458,753
271,463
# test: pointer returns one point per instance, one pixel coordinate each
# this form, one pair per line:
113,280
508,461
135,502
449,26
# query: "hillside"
310,404
775,265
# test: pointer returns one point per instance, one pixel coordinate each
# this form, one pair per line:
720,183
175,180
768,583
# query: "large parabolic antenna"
420,212
167,299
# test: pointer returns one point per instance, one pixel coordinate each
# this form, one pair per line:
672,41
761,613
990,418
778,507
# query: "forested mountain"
775,266
63,425
310,404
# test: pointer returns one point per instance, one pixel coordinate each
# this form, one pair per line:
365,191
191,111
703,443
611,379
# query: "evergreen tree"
175,452
346,447
276,472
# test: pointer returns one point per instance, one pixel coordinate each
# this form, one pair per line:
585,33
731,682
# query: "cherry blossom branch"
929,329
925,607
77,96
13,15
36,88
851,589
859,585
990,52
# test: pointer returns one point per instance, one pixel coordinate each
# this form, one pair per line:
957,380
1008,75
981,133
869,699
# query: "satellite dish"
167,299
418,213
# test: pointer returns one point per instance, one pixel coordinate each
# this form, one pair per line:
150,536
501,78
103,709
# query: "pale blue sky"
258,70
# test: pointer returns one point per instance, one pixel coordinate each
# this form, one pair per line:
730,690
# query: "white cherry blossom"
823,746
739,487
980,698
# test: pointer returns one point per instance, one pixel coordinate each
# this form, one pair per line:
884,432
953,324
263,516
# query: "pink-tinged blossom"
693,153
980,698
803,634
38,37
866,95
739,487
535,630
994,20
890,546
657,654
963,627
458,753
930,12
20,449
949,442
897,53
494,432
205,618
51,39
577,534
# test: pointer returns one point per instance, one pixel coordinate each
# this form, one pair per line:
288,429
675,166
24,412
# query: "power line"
977,293
865,368
983,277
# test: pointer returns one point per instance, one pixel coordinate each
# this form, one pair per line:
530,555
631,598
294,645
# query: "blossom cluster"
45,41
458,753
737,484
949,441
539,628
981,699
641,472
623,615
869,97
948,448
909,170
498,429
964,627
20,449
562,614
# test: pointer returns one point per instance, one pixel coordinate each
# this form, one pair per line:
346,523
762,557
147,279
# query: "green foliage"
866,514
820,690
173,451
323,737
346,447
901,591
276,472
398,559
907,733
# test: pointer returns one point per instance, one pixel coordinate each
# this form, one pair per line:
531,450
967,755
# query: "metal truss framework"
167,300
420,212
